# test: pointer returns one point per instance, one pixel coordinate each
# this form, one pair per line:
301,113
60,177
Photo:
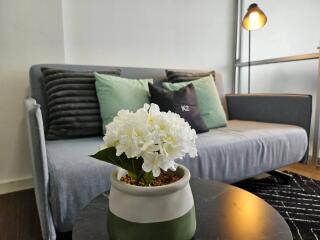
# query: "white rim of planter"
150,190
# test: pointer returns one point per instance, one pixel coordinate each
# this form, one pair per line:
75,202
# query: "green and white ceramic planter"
145,213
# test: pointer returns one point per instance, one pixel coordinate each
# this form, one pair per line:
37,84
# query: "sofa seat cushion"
75,178
240,150
244,149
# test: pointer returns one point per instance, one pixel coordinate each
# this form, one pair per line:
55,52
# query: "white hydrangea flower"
153,161
158,137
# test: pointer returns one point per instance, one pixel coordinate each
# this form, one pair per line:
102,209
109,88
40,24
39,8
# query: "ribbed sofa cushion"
72,104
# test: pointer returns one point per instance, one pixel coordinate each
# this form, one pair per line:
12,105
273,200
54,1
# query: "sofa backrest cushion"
208,100
117,93
72,104
185,76
37,85
189,75
183,102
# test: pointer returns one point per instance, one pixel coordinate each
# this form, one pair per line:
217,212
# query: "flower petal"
156,172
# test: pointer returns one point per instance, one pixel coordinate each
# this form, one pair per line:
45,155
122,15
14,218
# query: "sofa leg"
285,178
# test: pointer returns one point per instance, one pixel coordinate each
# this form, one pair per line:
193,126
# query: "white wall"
292,29
30,32
186,34
142,33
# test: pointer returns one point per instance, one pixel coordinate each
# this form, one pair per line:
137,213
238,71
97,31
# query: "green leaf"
132,165
148,177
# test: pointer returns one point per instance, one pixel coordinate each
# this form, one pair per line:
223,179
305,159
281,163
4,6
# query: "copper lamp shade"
254,18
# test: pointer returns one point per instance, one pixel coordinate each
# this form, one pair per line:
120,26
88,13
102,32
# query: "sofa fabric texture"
75,178
293,109
227,154
72,104
183,102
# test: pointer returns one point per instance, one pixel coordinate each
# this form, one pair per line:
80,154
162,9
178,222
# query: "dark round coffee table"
223,212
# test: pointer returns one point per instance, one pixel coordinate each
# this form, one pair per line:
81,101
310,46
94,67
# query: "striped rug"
298,202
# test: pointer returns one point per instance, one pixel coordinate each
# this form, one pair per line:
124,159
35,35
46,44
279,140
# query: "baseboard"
16,185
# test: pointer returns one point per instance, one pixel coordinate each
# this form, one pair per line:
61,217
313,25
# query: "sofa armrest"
293,109
273,108
39,166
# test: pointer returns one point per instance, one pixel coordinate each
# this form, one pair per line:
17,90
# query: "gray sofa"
264,132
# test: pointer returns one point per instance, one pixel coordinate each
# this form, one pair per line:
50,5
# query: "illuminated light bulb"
254,18
254,21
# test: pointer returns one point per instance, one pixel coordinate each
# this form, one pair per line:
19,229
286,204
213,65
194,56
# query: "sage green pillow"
117,93
209,103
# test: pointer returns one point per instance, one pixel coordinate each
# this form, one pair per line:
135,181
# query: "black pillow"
182,102
184,76
72,104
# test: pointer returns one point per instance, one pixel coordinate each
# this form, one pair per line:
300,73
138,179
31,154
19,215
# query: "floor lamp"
253,20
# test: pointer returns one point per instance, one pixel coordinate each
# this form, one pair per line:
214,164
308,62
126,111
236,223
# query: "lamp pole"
253,20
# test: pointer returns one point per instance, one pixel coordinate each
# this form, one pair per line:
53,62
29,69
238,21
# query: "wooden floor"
310,171
19,218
